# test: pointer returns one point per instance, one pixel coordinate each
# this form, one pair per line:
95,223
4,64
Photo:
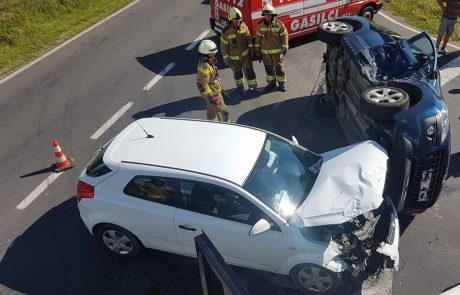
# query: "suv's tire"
383,102
315,279
119,240
324,107
331,32
367,12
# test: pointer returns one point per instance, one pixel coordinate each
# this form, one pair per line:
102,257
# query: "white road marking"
20,70
198,39
450,71
112,120
159,76
37,191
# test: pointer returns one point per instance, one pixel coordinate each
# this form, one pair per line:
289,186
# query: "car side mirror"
294,140
260,227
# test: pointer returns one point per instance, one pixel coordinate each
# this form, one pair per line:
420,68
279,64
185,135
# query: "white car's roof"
224,150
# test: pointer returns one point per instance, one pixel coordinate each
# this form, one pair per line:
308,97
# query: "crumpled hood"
350,183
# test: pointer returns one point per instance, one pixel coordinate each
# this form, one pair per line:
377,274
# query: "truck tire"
383,102
332,32
368,12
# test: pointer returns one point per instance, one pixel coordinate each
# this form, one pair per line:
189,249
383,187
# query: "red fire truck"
301,17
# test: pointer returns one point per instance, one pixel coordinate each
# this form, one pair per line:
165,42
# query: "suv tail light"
84,190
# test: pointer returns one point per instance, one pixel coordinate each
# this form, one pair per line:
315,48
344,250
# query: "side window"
220,202
156,189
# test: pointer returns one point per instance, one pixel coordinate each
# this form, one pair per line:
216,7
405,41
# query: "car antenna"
148,135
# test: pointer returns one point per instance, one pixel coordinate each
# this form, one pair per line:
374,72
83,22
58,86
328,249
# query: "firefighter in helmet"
236,47
271,45
209,83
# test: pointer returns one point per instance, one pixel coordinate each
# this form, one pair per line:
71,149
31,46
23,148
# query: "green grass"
422,14
29,28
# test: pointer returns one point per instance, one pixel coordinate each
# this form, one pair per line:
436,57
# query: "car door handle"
186,227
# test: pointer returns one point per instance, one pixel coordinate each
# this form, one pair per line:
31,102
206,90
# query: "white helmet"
207,47
234,14
268,9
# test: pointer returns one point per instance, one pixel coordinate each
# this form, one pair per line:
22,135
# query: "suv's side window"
156,189
220,202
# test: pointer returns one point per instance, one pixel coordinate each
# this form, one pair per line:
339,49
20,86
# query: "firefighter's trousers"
216,111
243,69
274,68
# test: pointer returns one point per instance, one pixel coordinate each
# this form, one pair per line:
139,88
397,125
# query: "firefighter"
271,46
236,47
209,83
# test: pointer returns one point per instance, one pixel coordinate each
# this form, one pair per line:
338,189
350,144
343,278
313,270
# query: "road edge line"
23,68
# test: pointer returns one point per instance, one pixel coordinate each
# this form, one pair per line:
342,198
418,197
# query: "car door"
143,204
227,217
425,52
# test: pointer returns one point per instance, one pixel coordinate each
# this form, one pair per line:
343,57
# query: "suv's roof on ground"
224,150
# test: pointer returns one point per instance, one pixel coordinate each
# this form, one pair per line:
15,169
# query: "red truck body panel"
301,17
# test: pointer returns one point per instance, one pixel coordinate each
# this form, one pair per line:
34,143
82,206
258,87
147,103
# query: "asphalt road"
68,96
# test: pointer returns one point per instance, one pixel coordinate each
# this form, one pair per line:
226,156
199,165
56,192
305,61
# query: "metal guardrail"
217,278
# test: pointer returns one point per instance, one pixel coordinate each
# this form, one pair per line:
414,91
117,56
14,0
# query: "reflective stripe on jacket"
207,79
235,44
272,39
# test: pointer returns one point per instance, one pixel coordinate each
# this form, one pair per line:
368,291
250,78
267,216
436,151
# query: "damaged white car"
264,201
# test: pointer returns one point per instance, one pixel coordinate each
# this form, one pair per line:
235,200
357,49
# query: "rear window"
96,166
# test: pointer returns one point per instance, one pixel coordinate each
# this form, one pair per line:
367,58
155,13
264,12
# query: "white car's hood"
350,183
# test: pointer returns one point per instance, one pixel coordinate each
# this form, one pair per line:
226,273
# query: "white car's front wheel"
315,279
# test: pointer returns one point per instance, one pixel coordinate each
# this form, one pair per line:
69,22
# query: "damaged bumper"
374,245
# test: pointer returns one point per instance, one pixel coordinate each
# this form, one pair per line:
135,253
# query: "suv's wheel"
332,32
368,12
315,279
118,240
382,103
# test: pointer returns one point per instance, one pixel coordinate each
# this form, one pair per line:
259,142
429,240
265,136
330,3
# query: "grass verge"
29,28
422,14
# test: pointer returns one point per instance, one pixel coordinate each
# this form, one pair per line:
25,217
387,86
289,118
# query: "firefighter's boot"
270,86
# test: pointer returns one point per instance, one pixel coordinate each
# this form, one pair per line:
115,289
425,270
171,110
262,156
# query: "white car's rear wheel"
118,240
315,279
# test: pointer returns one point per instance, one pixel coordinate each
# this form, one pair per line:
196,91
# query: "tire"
315,279
368,12
382,103
323,107
119,240
332,32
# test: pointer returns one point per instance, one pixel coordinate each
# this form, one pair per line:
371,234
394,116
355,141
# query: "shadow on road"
297,117
454,166
41,171
187,60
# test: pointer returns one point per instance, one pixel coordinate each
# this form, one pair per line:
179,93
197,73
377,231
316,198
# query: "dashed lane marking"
112,120
198,39
37,191
450,71
159,76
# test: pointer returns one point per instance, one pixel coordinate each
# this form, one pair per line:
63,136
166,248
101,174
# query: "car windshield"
388,55
283,175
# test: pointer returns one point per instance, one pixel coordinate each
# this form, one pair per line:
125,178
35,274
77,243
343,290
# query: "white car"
265,202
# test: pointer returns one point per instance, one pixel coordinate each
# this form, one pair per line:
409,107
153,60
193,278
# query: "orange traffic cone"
62,163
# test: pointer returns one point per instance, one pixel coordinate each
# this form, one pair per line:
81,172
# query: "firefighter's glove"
213,99
283,53
226,61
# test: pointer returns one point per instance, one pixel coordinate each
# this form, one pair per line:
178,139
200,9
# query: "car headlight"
443,116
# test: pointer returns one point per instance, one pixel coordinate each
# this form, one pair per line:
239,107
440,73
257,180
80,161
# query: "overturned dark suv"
386,88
